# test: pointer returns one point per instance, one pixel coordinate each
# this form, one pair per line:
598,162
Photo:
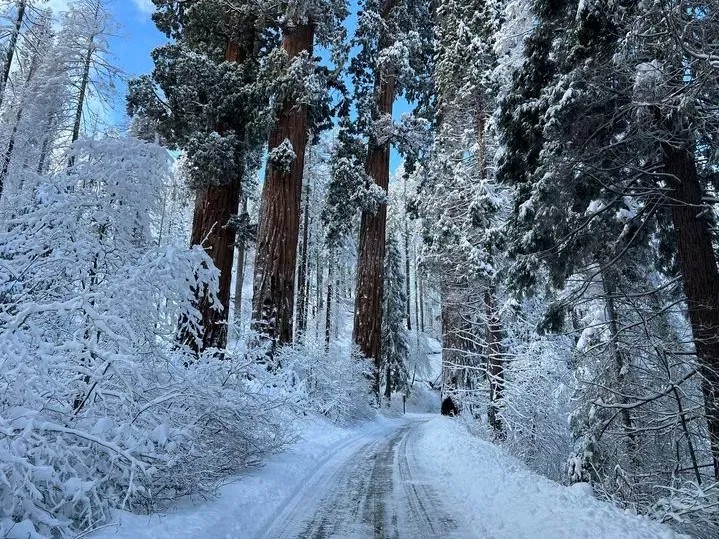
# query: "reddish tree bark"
700,274
367,331
370,268
279,220
214,207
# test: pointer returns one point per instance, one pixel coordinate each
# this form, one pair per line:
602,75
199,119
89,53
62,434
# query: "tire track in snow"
369,489
429,519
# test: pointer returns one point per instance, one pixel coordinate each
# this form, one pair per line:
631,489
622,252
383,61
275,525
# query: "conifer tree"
395,349
207,97
279,217
395,39
460,202
609,159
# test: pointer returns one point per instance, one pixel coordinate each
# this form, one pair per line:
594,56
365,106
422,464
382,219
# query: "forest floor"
420,475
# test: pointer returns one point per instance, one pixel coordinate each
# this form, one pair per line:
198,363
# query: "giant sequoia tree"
302,87
206,99
395,40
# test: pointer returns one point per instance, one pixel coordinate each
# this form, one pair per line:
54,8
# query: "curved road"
371,487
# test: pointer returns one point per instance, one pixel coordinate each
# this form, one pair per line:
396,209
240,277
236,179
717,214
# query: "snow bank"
502,498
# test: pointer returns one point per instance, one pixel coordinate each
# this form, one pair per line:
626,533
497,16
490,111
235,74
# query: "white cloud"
144,6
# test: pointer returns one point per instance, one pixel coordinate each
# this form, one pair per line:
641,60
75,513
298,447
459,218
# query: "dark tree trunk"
338,299
8,153
12,46
319,291
416,296
700,276
421,304
279,221
495,362
7,158
303,273
370,265
453,348
214,207
618,359
328,311
84,83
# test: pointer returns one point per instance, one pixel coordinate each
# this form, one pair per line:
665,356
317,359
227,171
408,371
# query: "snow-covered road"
414,477
373,487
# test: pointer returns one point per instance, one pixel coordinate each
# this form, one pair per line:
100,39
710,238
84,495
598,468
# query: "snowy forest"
317,215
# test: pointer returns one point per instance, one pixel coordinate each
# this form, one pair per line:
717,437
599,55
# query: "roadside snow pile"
502,498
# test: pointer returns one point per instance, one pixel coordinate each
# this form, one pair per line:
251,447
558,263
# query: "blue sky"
131,47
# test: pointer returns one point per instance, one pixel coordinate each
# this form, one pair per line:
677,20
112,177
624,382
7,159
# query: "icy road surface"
423,476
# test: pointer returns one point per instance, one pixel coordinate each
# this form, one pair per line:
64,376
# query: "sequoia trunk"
370,266
700,276
214,207
279,220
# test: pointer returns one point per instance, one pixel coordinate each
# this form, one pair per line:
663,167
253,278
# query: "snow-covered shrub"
536,405
99,408
690,508
332,383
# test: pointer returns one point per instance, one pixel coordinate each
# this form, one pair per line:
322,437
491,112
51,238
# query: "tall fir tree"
395,347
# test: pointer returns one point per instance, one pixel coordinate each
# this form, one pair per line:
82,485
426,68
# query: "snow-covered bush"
690,508
99,408
332,383
537,405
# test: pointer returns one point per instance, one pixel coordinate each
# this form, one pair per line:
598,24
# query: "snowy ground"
417,476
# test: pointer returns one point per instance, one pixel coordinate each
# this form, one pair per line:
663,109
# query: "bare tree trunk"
698,265
279,220
495,362
84,81
12,47
303,277
370,265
